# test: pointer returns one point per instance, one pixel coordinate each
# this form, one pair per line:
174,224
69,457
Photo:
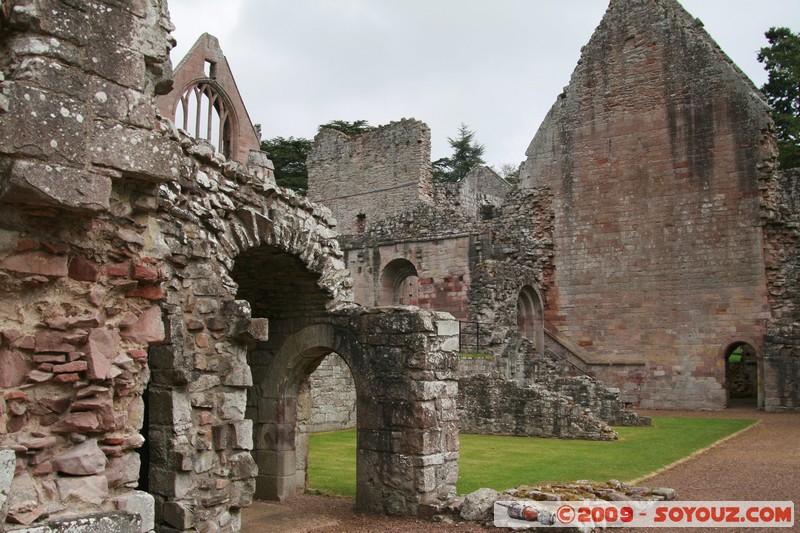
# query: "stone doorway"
280,406
742,376
530,316
399,283
329,395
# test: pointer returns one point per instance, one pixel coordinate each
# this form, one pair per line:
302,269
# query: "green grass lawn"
505,462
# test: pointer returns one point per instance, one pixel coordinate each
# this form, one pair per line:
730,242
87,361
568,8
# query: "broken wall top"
371,176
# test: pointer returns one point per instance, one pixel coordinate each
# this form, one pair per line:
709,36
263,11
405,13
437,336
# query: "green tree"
356,127
289,157
781,60
289,154
466,154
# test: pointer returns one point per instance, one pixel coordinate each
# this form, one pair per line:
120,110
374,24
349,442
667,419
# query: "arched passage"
743,375
398,416
281,446
530,317
331,396
399,283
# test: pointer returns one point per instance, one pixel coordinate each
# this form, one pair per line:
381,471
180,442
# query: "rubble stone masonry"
373,175
160,306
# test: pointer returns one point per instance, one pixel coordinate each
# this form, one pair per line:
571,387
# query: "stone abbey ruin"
163,305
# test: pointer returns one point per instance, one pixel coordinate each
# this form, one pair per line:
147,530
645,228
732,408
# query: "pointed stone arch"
530,316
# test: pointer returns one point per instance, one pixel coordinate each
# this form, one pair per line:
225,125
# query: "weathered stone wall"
781,364
406,405
655,155
479,195
333,396
493,405
80,286
139,273
373,175
442,266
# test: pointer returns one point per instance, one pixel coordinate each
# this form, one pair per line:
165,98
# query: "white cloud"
495,65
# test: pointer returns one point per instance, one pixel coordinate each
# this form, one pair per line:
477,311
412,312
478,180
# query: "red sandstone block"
10,336
42,469
49,358
16,395
138,354
66,378
74,366
81,269
36,263
120,270
144,273
150,292
52,341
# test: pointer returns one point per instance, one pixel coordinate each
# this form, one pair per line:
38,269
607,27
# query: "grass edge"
693,454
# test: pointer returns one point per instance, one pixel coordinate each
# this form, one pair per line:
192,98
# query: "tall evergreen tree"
289,157
466,154
781,59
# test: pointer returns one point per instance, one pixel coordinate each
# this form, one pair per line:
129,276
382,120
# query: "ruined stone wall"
333,396
371,176
479,195
442,266
781,365
206,54
138,270
654,155
80,283
493,405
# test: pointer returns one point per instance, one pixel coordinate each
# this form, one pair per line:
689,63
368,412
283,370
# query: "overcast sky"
496,65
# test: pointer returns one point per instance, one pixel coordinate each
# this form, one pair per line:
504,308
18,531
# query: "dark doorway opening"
741,376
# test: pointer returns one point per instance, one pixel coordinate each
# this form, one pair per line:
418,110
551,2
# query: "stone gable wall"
656,155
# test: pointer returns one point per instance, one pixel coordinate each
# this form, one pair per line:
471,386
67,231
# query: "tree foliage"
466,154
781,59
356,127
289,154
289,157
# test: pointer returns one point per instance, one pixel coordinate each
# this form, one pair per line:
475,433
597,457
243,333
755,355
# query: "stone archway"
399,283
743,375
530,316
280,449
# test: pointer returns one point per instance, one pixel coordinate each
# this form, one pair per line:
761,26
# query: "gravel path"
761,463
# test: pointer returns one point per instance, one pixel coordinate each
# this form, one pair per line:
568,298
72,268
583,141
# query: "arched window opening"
741,375
530,319
399,283
204,114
